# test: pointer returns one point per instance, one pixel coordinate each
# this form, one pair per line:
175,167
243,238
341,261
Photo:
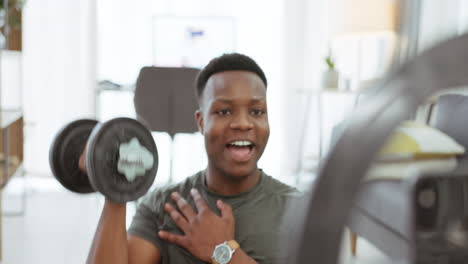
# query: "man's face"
233,119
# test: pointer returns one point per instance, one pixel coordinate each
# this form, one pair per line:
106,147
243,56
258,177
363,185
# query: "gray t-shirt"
258,214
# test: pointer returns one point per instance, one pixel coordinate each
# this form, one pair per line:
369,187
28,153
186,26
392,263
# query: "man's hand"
203,230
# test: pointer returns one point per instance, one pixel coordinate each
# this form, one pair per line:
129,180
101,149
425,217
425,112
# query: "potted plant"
330,75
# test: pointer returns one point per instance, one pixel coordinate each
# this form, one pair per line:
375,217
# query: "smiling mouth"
240,144
240,151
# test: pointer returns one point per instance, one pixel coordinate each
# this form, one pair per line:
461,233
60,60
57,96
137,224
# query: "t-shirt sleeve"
149,219
144,225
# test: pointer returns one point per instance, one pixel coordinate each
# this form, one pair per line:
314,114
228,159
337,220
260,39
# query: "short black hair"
227,62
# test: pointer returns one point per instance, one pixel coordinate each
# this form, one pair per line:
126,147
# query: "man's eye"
224,112
258,112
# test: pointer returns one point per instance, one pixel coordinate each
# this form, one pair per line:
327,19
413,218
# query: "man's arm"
111,244
240,257
142,251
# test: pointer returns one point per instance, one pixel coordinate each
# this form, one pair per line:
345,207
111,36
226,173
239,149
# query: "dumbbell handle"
82,162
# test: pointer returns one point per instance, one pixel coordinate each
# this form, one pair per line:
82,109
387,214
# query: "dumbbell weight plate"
103,157
65,152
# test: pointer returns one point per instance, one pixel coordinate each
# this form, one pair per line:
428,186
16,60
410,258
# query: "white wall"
59,72
441,20
11,80
304,47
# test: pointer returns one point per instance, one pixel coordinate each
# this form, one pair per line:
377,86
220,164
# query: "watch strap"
233,244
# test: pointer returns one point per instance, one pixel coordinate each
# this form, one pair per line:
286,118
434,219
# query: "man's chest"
257,230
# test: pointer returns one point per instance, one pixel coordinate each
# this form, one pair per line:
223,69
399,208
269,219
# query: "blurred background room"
61,60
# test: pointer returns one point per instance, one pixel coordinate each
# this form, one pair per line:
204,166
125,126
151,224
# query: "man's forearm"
110,241
240,257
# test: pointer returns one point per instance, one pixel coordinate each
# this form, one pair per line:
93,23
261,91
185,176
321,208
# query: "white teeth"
240,143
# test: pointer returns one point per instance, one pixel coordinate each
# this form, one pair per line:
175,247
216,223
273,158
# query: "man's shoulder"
278,188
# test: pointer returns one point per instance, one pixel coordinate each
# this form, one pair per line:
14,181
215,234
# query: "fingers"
172,238
226,210
82,161
199,201
184,206
178,219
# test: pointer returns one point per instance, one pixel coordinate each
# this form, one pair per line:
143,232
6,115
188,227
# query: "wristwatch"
222,253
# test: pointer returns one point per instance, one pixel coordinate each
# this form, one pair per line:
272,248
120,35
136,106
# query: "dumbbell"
120,155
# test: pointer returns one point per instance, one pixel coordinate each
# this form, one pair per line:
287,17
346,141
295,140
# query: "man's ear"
199,120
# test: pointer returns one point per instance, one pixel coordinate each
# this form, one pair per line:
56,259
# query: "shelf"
329,91
8,117
11,144
11,119
335,91
7,52
13,165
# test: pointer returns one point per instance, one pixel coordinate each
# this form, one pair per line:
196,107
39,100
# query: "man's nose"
242,121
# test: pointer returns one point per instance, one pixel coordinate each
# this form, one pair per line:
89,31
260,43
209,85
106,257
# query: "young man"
228,213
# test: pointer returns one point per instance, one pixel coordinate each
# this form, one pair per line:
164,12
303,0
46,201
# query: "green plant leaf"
330,63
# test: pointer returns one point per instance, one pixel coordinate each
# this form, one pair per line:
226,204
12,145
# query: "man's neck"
223,184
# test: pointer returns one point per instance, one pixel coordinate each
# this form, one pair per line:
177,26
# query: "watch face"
222,253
